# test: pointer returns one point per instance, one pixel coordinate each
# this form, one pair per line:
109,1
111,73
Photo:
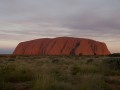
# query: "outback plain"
59,72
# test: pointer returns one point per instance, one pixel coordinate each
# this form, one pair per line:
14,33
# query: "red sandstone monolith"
61,46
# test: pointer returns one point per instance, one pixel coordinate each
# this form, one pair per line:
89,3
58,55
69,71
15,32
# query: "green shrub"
75,69
89,60
115,55
113,63
11,59
55,61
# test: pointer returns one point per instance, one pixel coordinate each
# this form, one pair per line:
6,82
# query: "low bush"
113,63
115,55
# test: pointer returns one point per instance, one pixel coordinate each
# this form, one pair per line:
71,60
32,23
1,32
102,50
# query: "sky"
22,20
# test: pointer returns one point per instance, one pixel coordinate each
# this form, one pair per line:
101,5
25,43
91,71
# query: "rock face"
61,46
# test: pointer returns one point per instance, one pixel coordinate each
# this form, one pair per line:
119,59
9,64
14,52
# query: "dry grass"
59,73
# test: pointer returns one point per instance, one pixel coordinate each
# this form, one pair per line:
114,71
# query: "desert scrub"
46,80
89,61
11,74
55,61
84,68
11,59
42,82
114,55
93,82
113,63
58,73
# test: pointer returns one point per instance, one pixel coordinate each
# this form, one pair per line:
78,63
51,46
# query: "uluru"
61,46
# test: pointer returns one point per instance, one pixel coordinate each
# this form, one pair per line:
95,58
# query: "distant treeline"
115,55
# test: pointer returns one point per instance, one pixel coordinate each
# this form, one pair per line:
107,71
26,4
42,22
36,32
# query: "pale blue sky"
22,20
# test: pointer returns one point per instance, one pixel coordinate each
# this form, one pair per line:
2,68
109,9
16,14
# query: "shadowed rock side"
61,46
